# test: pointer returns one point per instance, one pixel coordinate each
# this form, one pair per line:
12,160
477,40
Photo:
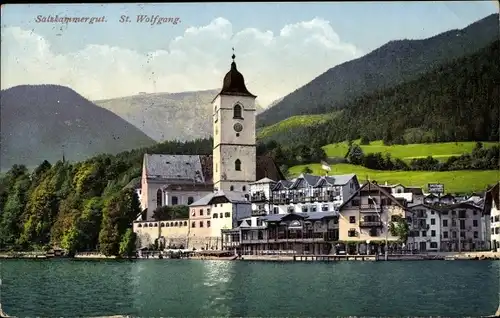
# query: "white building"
425,227
491,211
412,195
309,193
213,213
260,196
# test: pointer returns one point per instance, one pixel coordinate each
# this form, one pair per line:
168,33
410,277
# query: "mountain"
457,101
385,67
39,121
168,116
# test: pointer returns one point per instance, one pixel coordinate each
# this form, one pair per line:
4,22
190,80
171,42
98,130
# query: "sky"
279,47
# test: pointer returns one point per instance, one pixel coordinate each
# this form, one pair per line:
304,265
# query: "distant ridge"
167,116
40,122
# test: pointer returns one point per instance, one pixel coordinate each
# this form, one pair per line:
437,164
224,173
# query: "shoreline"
290,258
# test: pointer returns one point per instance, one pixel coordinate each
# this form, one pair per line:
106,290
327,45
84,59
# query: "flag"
325,166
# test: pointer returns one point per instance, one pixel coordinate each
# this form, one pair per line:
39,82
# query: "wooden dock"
333,258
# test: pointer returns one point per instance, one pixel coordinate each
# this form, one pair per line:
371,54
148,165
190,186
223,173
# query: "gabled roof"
232,197
425,206
282,184
198,168
464,205
264,181
376,186
415,190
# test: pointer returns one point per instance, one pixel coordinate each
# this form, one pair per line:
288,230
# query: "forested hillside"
392,64
458,101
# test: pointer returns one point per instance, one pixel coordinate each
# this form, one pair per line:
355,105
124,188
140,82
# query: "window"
474,223
237,111
190,200
432,212
475,212
175,201
185,223
162,224
453,223
433,221
352,219
462,234
159,197
208,223
445,223
244,188
424,233
193,224
227,214
139,225
434,245
304,208
201,212
168,224
231,188
276,210
351,233
237,165
355,203
372,201
462,224
433,233
221,215
476,234
454,235
201,223
215,216
208,211
445,234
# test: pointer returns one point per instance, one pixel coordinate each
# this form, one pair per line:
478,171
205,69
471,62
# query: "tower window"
231,188
237,111
244,188
237,165
159,197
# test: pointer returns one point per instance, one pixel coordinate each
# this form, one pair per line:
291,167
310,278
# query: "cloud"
273,64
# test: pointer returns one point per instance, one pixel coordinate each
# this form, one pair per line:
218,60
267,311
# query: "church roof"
234,83
184,168
232,197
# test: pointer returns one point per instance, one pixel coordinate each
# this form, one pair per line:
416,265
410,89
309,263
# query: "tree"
364,140
128,244
307,170
399,227
355,155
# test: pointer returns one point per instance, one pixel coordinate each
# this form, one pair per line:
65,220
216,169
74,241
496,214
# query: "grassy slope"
464,181
294,122
440,151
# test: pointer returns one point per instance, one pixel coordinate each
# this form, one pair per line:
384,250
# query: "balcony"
280,201
370,224
259,212
258,198
323,198
370,208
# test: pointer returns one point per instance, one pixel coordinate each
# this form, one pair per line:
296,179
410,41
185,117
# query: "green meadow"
440,151
463,181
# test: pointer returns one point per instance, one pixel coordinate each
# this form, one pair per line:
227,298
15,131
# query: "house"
310,193
463,228
425,228
260,196
365,219
491,208
213,213
301,233
412,195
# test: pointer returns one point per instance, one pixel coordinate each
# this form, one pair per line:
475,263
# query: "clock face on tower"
238,127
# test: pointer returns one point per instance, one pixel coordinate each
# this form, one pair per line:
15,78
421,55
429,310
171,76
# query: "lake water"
154,288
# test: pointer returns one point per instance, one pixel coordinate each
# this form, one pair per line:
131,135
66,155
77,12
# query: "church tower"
234,152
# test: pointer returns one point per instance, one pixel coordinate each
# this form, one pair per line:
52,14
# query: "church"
183,179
